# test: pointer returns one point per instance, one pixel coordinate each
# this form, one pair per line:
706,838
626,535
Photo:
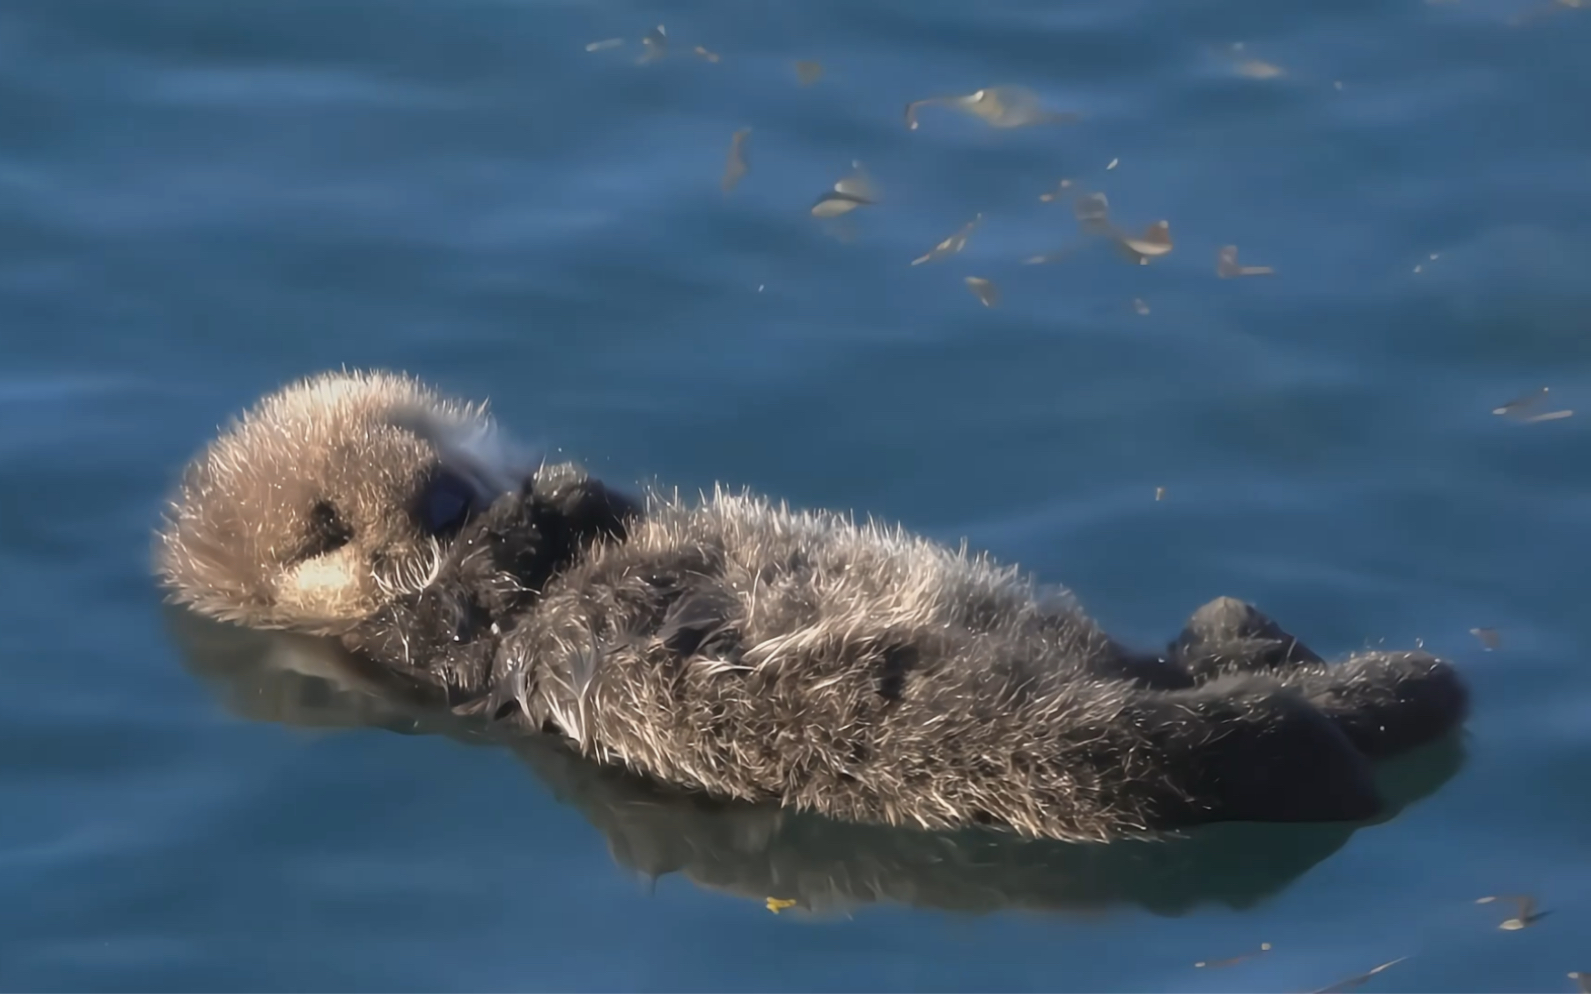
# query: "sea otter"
752,651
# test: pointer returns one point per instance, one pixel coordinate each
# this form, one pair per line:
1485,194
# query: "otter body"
765,654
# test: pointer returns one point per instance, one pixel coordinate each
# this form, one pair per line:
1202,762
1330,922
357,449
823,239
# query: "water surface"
201,201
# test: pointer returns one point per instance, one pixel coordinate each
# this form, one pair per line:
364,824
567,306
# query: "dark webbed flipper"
1240,748
1385,702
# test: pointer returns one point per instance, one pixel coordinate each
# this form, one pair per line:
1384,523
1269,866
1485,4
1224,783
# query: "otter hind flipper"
1242,748
1385,702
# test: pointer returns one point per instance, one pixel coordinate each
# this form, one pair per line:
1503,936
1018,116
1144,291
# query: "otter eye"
445,504
328,532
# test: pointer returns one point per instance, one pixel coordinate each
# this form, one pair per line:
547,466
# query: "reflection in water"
762,852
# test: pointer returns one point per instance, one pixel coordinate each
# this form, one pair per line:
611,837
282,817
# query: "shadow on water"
761,852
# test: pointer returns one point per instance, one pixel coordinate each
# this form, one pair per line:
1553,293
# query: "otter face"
329,499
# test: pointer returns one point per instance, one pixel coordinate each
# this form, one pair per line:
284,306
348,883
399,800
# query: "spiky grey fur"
765,654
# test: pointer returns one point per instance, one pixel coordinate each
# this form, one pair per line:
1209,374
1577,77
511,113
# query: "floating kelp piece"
1265,947
950,246
998,106
851,192
1059,255
987,293
1524,904
656,45
1092,211
1520,408
1260,69
1152,244
1489,638
1056,193
735,167
1242,64
1355,981
1227,268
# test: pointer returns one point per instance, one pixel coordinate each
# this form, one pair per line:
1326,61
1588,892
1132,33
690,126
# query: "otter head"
330,499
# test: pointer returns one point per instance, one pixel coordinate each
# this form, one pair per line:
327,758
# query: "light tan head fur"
322,502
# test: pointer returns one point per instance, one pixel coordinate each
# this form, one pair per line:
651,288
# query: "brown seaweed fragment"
987,293
1356,981
1092,211
1526,906
1265,947
1152,244
656,45
1242,64
1056,194
1520,408
1489,638
998,106
950,246
735,167
1060,254
1540,11
849,193
1227,267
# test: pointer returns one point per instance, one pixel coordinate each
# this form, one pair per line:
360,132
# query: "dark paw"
1230,636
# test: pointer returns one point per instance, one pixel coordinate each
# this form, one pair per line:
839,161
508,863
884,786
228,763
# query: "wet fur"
738,647
759,850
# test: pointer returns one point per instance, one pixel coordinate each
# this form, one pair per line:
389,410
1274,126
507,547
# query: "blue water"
202,200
